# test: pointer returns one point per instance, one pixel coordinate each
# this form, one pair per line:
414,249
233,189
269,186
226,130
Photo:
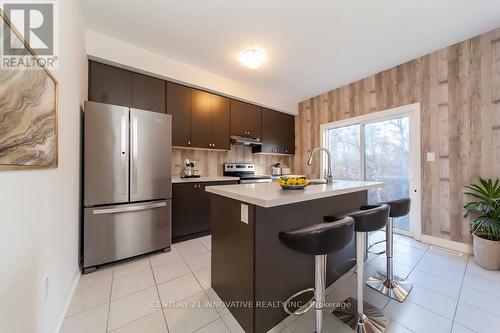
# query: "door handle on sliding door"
133,160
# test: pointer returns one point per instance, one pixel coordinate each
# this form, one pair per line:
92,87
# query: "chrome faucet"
328,174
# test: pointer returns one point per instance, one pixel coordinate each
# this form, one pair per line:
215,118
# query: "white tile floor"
451,294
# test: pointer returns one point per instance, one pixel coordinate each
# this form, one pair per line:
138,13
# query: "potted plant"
485,222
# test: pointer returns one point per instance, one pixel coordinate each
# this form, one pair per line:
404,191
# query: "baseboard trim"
446,243
67,301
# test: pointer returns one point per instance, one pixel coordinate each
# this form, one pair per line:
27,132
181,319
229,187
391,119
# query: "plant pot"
486,252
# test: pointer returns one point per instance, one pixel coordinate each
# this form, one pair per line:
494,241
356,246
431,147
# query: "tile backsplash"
210,162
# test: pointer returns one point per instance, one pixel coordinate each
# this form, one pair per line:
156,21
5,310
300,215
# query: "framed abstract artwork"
28,108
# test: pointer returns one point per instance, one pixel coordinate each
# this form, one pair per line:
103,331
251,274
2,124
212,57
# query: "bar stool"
318,240
359,315
389,284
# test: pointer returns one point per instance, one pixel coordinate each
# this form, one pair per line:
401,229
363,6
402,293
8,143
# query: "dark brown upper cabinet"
278,133
108,84
179,106
209,120
245,119
220,122
201,119
148,93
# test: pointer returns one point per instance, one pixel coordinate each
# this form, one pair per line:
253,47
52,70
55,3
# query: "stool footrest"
376,243
300,311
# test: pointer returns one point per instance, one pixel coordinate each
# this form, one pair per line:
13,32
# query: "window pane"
387,159
344,144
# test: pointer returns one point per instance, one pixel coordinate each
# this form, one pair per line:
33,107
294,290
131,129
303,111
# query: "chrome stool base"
397,289
371,321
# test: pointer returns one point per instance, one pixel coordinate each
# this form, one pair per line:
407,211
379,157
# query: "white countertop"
271,195
177,180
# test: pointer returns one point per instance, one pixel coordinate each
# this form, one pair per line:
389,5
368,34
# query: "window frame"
412,111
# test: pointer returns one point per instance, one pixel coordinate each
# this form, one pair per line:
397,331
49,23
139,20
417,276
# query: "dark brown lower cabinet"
183,210
191,209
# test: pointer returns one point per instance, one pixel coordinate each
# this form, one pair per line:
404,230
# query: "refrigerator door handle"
124,123
133,160
128,209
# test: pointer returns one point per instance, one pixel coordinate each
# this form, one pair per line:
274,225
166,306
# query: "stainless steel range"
246,172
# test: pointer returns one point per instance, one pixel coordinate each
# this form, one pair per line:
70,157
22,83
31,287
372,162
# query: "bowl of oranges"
293,182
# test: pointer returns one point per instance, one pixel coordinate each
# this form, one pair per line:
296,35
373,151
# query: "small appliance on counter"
285,171
276,169
190,171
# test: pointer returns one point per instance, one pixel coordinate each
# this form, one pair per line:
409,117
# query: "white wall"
112,51
39,209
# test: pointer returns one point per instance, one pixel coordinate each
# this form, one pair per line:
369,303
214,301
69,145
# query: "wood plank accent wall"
459,91
209,162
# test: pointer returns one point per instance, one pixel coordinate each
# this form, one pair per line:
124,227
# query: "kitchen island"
251,270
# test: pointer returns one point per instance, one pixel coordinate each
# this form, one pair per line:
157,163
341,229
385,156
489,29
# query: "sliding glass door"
387,159
345,145
377,148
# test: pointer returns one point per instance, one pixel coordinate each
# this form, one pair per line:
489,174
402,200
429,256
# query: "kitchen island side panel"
232,273
279,271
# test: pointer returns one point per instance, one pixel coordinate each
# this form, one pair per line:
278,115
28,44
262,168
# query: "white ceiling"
313,45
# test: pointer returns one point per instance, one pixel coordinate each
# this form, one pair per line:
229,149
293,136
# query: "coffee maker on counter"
278,170
190,170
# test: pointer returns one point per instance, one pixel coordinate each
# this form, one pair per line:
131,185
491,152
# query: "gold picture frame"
26,154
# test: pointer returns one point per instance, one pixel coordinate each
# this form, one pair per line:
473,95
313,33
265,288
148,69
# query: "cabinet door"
203,205
203,211
183,209
270,131
179,106
245,119
201,119
220,122
109,84
278,132
287,134
148,93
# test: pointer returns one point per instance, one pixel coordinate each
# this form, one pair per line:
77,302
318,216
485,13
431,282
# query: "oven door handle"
255,181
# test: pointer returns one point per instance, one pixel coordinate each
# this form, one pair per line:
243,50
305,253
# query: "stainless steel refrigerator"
127,183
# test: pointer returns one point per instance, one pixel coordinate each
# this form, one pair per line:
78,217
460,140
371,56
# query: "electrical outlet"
45,288
244,213
431,157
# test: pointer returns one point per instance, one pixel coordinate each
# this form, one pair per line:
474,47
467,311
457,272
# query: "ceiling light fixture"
252,57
